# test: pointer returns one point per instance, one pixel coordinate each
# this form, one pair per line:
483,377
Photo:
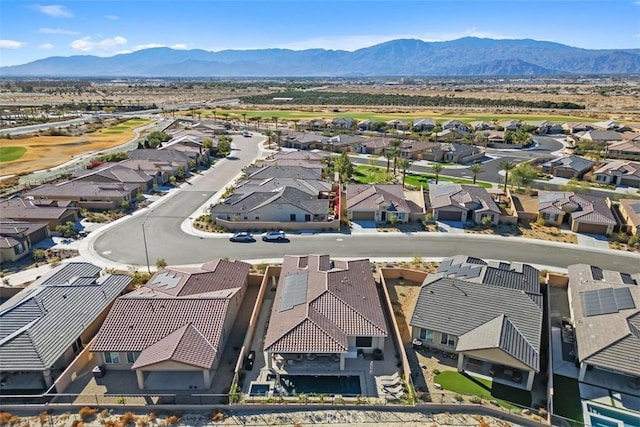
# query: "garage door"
591,228
449,216
363,216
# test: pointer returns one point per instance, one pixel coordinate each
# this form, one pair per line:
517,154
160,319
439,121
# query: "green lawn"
364,174
566,398
364,114
471,386
9,154
123,127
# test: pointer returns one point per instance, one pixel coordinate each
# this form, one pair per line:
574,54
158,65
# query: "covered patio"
504,374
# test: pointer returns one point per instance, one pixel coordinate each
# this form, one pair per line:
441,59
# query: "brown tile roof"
340,299
632,208
30,209
461,196
373,197
584,209
178,315
619,168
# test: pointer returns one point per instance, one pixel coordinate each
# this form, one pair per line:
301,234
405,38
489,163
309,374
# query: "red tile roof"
341,300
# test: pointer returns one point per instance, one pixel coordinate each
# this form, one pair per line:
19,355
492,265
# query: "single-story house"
365,125
46,325
324,309
631,136
398,124
568,166
512,125
457,153
606,125
88,194
455,124
276,171
605,314
18,237
451,134
189,145
302,140
575,127
342,123
52,212
377,202
619,173
173,157
417,150
342,142
179,321
375,145
546,127
315,156
625,148
601,136
481,125
630,213
116,172
160,171
490,315
284,205
585,214
314,124
456,202
424,124
313,187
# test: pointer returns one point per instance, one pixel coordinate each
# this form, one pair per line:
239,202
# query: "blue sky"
33,30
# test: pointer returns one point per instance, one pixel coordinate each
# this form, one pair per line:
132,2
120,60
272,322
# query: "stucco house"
619,173
456,202
625,148
568,166
18,237
179,321
605,314
46,325
489,314
326,310
375,145
87,194
601,136
378,202
342,123
424,124
455,124
116,172
51,212
630,213
584,214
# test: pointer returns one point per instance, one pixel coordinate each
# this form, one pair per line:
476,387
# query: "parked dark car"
249,360
242,237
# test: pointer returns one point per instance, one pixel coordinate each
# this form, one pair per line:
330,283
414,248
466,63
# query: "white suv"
274,236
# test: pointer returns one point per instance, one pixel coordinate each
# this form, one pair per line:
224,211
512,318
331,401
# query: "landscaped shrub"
87,413
173,420
128,418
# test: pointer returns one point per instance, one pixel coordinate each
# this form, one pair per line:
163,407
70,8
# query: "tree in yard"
275,121
437,168
156,138
278,133
395,144
67,229
344,167
269,135
389,154
224,146
506,166
524,174
404,164
244,118
475,169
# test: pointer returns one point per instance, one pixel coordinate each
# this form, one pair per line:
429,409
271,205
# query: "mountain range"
469,56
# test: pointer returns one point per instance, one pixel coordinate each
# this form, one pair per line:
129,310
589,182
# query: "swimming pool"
321,384
605,416
258,389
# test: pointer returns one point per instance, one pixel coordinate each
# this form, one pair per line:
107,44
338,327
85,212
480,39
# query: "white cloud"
61,31
11,44
112,17
46,46
87,44
54,10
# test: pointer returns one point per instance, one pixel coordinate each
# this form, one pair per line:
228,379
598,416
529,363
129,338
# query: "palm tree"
475,169
404,164
275,121
389,154
278,134
295,124
506,166
269,136
395,145
437,168
215,115
244,118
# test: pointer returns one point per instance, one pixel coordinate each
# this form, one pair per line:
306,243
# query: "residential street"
123,244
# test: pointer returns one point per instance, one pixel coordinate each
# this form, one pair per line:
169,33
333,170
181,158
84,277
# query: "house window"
77,346
426,335
19,248
257,218
246,217
292,217
112,357
550,217
132,356
307,217
364,342
448,340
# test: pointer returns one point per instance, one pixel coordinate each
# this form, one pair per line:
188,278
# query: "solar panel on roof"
606,301
294,291
623,298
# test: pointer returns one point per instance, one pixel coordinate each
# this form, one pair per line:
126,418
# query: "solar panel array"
606,301
295,290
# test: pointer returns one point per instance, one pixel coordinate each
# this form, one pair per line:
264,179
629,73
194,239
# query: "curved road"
123,243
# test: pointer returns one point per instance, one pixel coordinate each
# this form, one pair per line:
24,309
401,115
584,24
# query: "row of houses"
620,173
37,212
325,315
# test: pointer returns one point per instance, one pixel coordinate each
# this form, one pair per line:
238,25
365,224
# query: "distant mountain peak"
402,57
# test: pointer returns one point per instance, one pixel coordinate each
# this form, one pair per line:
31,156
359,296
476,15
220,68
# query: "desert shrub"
161,263
43,417
623,237
475,399
436,372
77,423
151,416
458,397
38,254
540,221
87,412
128,418
142,421
173,420
7,419
111,423
218,416
633,240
